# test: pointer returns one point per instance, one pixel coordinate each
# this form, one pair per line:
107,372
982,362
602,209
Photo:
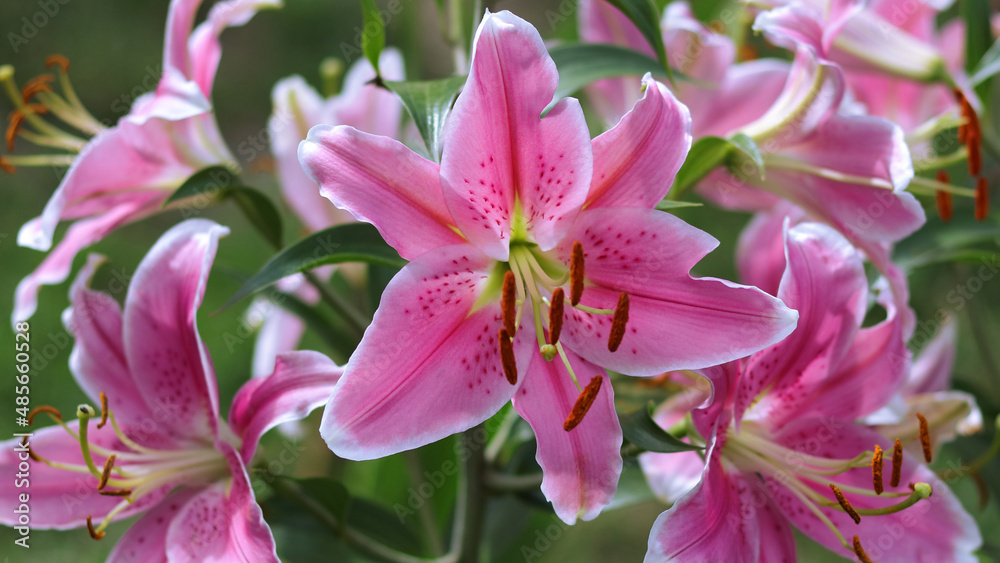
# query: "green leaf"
646,17
748,148
640,429
707,154
216,184
210,183
333,333
667,205
429,103
988,66
260,212
580,64
353,242
373,34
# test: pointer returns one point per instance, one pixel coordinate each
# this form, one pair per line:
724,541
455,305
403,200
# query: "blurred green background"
115,49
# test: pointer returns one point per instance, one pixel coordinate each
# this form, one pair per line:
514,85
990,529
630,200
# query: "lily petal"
743,96
203,46
760,251
935,529
725,518
98,361
497,151
382,182
146,540
141,156
600,22
636,161
824,280
429,363
170,364
55,268
580,467
932,368
222,522
301,382
61,500
675,321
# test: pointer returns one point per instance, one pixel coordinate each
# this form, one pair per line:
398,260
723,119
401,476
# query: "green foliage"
353,242
642,431
217,184
429,103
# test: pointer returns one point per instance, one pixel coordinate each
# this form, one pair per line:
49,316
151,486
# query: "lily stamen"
507,356
982,199
842,500
877,470
106,474
925,438
943,198
40,83
576,274
104,411
508,302
617,332
52,411
583,403
556,310
897,463
96,534
860,551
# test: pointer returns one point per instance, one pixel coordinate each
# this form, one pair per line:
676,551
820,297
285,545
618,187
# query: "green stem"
468,525
503,482
360,542
355,320
432,535
994,449
981,334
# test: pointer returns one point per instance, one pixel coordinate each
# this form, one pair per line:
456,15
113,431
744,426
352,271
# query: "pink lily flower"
126,172
160,428
926,390
794,114
782,442
856,36
297,108
527,219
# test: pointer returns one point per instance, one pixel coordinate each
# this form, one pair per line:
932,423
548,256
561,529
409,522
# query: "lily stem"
512,483
355,320
468,525
432,534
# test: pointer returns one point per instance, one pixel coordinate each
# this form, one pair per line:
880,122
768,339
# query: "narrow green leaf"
216,184
988,66
429,103
640,429
260,212
373,34
645,15
210,183
353,242
707,154
580,64
667,205
748,148
334,334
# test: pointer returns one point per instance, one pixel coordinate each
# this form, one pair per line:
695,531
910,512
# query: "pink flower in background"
297,108
126,172
780,434
529,241
926,390
160,427
857,36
